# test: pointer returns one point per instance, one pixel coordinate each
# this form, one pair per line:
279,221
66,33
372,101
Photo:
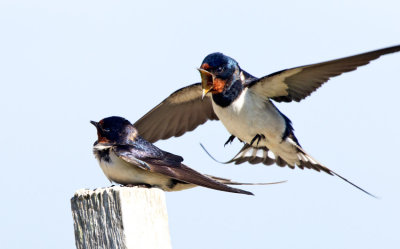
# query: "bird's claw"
257,137
230,140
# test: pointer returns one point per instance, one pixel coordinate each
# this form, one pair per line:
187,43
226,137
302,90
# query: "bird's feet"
230,140
257,138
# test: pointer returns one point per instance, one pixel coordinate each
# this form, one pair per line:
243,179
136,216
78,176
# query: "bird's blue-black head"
115,130
220,65
218,72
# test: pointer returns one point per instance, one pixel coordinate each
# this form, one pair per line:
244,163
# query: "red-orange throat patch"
218,85
102,139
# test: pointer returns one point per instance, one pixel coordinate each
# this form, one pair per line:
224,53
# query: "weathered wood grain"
120,218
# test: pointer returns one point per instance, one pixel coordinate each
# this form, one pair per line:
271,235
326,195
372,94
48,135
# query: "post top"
85,193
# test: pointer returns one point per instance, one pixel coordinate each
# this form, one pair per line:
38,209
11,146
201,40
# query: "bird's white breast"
250,115
120,171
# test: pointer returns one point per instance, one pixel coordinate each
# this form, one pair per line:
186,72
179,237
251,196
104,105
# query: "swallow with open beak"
126,158
244,104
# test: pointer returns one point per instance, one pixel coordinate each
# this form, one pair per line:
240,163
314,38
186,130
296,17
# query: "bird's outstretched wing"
182,111
297,83
170,165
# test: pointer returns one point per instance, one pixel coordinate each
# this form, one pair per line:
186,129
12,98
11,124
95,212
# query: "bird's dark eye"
106,129
220,69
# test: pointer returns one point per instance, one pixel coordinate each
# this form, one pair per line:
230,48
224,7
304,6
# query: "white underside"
250,115
119,171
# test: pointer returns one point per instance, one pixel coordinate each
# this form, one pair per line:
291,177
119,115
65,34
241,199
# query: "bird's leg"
257,137
230,139
263,137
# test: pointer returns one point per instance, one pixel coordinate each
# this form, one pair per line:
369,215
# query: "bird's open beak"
207,80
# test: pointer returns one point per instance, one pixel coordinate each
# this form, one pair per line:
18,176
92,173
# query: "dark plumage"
126,158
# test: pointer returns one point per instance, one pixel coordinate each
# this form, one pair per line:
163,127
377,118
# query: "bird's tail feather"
310,162
230,182
252,155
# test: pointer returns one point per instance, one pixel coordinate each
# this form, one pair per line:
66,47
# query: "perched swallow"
126,158
244,105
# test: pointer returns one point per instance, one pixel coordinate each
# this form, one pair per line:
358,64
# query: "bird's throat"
228,94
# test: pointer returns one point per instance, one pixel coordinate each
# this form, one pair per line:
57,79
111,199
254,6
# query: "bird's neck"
229,94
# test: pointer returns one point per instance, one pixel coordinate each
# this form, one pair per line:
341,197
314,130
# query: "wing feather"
297,83
182,111
170,165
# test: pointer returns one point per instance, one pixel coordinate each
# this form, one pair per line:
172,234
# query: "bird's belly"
119,171
250,115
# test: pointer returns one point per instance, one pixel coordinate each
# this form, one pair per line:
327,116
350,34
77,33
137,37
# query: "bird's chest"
120,171
250,115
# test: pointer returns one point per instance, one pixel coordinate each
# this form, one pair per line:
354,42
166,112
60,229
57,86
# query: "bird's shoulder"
147,152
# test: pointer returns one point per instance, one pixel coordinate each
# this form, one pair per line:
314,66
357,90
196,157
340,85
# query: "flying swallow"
244,104
126,158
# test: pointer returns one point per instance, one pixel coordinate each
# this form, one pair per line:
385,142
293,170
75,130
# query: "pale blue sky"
63,63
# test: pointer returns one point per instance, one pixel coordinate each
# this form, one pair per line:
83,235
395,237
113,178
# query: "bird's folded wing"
188,175
297,83
182,111
175,170
146,155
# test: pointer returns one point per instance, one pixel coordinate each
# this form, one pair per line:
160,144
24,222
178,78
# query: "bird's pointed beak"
102,141
94,123
207,80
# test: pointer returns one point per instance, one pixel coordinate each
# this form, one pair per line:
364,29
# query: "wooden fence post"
120,218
